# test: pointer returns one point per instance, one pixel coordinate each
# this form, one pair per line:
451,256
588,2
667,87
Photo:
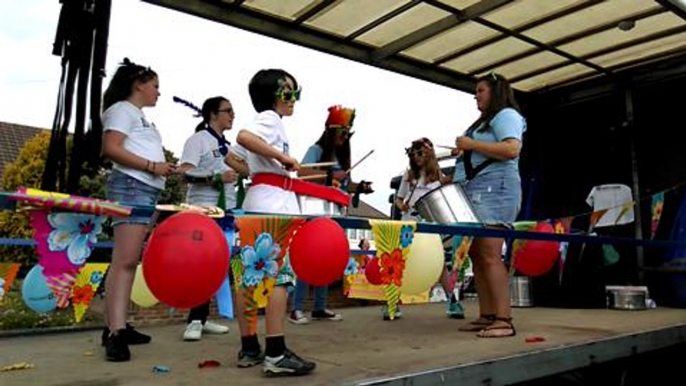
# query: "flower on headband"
340,116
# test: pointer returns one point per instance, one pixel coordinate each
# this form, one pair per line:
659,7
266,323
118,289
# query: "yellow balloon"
140,294
424,264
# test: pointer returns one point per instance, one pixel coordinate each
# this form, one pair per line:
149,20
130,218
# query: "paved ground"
360,347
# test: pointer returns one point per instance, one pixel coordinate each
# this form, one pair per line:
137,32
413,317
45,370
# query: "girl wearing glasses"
208,151
488,156
138,176
332,146
423,176
273,94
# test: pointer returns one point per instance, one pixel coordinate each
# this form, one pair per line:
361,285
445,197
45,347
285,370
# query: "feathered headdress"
198,111
340,116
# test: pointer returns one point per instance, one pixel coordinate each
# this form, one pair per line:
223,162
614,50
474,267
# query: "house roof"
367,211
538,45
12,139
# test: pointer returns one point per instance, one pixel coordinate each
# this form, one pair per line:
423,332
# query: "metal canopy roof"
537,44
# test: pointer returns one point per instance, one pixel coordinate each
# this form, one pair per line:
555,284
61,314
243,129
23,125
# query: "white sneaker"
214,328
297,317
193,331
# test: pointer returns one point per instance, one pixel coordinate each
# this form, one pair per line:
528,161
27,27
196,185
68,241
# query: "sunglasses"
344,131
289,96
414,153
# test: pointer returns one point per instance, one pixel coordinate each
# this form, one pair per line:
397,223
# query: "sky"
197,59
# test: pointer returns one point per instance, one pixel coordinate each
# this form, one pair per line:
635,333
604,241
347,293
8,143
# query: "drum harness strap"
469,169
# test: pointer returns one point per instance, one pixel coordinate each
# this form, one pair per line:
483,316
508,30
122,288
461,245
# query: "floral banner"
8,271
393,240
263,261
457,267
87,282
64,241
656,212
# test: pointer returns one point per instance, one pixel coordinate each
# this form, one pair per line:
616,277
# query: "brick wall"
163,314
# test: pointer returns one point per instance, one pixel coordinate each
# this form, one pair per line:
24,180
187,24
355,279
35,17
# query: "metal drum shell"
447,204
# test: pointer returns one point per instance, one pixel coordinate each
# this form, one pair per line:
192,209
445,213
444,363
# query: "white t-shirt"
266,198
612,196
413,192
268,126
142,139
202,151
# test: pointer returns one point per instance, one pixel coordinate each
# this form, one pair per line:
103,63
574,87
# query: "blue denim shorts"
496,197
127,190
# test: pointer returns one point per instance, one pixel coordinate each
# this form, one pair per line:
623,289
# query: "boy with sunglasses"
273,94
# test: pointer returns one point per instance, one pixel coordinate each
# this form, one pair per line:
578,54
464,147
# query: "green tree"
27,170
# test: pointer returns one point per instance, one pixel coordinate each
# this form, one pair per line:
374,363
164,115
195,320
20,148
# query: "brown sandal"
484,333
484,320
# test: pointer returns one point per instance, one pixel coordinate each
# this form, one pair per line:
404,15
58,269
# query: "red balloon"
372,272
186,260
319,252
537,257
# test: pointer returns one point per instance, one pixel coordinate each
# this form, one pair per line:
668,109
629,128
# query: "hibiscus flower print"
351,268
392,267
261,260
74,232
82,295
406,235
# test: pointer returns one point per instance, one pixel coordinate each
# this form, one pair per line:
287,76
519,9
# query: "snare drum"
447,204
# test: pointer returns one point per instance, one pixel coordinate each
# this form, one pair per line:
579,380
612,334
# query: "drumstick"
312,177
317,165
445,147
360,161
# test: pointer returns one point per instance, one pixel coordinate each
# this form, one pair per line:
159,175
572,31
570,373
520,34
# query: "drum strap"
302,187
469,169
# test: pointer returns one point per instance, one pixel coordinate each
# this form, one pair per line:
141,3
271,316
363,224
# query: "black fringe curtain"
81,41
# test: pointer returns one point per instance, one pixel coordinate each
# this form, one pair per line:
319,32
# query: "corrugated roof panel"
489,54
589,18
642,50
283,9
347,16
553,77
459,4
528,64
459,37
403,24
616,36
524,11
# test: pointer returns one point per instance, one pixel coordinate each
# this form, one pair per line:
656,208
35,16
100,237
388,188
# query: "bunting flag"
562,226
656,212
627,206
263,260
87,282
461,245
8,271
64,242
393,240
595,217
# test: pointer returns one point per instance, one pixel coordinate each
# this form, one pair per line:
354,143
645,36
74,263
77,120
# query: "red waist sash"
302,187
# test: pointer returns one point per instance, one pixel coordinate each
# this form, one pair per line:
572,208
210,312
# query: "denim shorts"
496,196
127,190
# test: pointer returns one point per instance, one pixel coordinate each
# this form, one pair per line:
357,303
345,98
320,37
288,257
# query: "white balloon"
424,264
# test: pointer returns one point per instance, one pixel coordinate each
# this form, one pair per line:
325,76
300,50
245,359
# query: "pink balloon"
537,257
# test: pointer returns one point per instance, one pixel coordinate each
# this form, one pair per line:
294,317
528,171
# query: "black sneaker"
326,315
249,359
287,364
116,348
131,335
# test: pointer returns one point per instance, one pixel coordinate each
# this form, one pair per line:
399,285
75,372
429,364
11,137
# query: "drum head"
199,175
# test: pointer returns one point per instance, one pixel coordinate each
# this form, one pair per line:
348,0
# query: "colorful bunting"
393,240
656,207
8,271
87,282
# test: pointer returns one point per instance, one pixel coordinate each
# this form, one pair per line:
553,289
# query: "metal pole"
638,224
